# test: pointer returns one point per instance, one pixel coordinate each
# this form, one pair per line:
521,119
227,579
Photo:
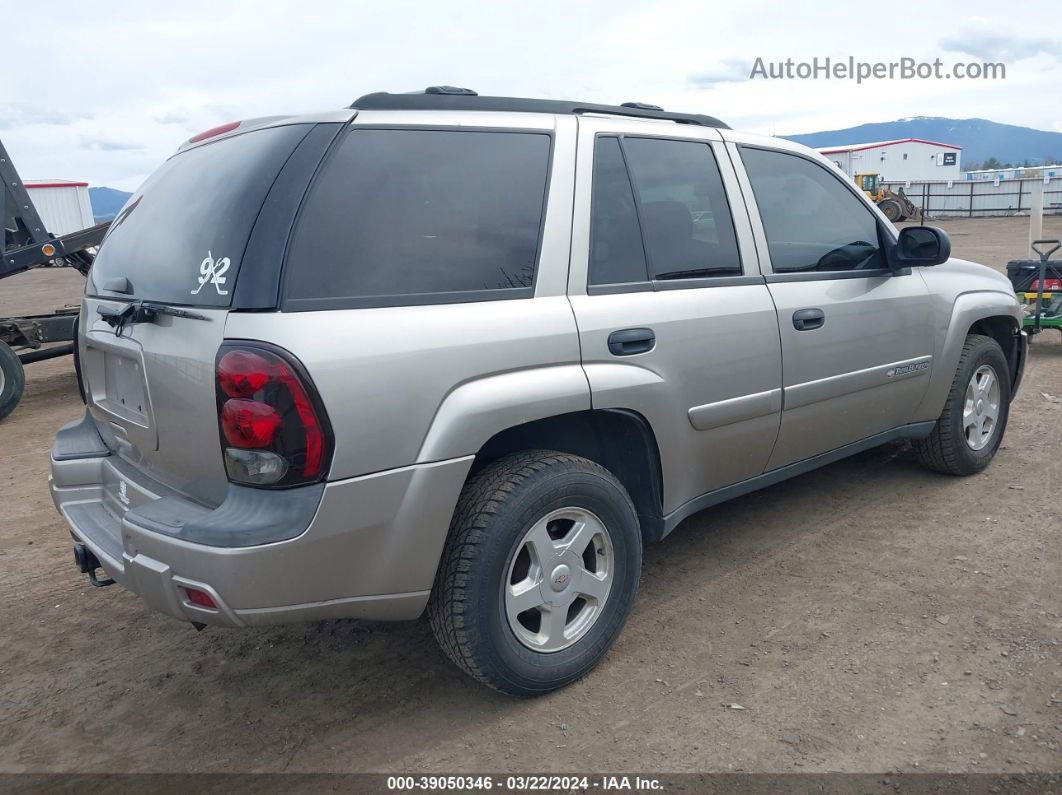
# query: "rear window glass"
180,238
420,216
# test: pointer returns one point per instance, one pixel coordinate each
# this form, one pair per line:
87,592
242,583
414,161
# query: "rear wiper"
141,312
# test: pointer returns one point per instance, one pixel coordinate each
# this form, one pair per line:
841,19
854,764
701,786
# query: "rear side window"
659,205
421,216
685,216
180,238
811,220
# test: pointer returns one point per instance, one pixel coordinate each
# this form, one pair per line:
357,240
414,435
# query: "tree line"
993,163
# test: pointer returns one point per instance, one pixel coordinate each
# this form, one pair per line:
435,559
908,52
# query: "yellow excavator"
894,204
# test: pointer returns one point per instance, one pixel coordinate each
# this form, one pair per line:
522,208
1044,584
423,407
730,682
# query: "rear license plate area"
118,386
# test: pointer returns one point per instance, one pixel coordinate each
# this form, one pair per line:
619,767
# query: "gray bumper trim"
79,439
248,517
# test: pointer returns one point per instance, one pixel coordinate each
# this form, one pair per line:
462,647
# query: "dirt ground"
869,616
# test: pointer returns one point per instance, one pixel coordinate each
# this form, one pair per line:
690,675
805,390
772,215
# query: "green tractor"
1038,285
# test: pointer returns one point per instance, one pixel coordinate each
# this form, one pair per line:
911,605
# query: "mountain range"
106,202
980,140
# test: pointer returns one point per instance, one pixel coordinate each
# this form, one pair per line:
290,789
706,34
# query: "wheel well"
1003,330
619,440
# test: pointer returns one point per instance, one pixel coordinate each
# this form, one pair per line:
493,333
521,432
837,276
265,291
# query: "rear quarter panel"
388,376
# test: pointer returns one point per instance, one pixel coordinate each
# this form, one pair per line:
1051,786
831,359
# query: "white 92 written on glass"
212,271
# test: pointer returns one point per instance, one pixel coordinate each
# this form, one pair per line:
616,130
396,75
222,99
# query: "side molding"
846,383
727,412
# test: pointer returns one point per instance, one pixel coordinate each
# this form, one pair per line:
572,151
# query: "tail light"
1050,285
274,431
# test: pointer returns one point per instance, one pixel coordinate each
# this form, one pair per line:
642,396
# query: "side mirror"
922,245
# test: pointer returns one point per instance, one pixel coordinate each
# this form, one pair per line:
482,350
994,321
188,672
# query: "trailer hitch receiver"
87,563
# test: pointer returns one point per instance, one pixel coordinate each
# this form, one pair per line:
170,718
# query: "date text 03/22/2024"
531,783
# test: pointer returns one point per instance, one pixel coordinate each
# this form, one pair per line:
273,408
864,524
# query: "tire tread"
939,450
480,500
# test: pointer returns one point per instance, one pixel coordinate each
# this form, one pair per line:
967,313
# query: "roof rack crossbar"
382,100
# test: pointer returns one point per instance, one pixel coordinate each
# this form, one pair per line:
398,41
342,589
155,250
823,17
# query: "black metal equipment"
1038,284
27,245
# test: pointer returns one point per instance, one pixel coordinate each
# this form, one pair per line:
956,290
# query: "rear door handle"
808,319
630,341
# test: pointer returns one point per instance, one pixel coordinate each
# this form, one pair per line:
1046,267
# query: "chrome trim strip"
856,381
727,412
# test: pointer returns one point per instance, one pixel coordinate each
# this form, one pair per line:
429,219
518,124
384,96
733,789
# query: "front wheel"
539,572
970,429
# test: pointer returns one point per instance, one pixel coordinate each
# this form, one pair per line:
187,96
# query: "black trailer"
27,245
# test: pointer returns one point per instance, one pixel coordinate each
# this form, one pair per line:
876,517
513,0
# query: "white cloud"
1000,40
154,76
730,70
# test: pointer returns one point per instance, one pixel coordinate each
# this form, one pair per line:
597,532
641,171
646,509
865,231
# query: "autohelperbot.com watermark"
849,68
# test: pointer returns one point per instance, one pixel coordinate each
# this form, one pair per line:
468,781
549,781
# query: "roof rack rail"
451,98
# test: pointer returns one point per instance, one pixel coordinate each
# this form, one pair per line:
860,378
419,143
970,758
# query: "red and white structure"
62,204
903,160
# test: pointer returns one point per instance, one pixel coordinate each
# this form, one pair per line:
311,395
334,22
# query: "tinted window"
616,253
180,238
412,212
688,229
812,221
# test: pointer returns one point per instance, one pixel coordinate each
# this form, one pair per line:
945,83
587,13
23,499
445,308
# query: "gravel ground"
869,616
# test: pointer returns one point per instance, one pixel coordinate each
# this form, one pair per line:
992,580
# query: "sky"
104,92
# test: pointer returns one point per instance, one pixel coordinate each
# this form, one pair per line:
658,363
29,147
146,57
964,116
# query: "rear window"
180,239
421,216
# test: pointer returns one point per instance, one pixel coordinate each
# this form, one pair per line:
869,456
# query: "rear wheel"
970,429
539,572
12,380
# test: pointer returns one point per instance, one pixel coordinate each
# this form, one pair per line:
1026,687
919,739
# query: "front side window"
413,216
812,221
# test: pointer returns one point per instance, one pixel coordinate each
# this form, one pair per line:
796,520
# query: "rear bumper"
367,548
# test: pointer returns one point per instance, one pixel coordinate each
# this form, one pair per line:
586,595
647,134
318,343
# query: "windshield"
180,239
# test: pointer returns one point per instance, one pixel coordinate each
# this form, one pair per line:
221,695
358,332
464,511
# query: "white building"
899,161
62,204
1016,172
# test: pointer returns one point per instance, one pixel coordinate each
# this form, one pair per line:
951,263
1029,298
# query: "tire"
12,380
891,209
948,448
500,507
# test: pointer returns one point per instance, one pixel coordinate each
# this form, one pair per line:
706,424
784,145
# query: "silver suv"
465,355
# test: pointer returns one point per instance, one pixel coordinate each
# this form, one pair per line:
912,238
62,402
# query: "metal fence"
980,198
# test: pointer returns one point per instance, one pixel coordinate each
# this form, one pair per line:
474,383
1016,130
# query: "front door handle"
630,341
808,319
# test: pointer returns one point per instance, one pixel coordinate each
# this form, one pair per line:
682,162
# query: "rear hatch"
178,245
